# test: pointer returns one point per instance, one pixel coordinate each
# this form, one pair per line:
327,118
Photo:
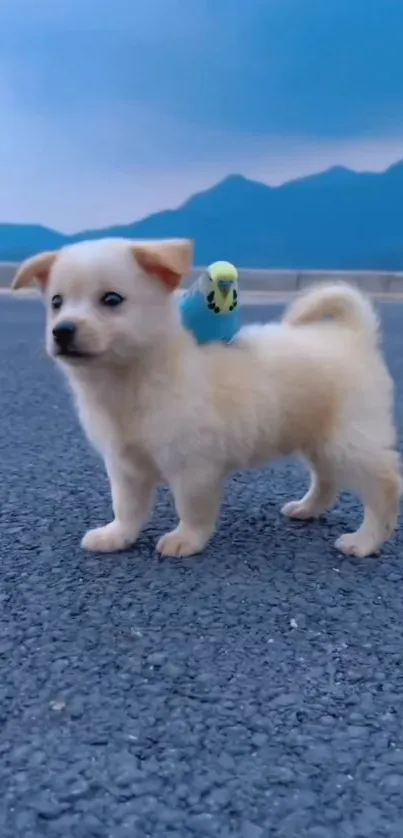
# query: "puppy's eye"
56,302
111,299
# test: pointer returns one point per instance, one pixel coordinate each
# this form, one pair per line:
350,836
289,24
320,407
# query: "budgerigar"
210,308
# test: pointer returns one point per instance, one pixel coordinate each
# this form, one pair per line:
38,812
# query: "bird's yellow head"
224,275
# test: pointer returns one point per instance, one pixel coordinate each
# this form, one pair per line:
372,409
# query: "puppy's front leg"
197,500
132,491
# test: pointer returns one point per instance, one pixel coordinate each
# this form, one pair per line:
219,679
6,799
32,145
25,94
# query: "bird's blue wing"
196,317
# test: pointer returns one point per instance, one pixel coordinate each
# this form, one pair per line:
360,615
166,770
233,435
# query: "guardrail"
275,281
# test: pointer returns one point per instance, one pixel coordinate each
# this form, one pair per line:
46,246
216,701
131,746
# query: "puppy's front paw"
357,544
109,539
180,543
298,510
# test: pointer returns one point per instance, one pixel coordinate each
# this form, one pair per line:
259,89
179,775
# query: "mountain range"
338,219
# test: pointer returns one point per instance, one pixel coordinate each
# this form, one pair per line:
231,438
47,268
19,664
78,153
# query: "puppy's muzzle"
64,335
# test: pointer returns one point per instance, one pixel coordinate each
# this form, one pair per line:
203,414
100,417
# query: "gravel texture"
254,691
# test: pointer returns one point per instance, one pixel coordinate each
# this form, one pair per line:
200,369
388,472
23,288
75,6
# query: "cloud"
294,67
115,109
70,175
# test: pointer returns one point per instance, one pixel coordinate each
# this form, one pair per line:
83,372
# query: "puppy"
158,407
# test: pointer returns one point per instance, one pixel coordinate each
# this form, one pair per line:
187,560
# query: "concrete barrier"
261,281
275,281
7,271
374,282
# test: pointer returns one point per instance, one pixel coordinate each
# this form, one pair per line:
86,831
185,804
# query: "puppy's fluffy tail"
341,301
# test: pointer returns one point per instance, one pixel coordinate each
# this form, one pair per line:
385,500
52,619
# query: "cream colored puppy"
158,407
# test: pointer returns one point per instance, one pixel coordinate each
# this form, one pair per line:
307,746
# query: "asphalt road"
252,692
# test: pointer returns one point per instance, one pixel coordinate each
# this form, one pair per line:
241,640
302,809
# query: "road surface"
252,692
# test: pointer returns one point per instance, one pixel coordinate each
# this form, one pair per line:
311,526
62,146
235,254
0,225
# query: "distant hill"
17,241
338,219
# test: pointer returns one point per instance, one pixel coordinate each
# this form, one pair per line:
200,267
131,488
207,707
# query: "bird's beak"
224,286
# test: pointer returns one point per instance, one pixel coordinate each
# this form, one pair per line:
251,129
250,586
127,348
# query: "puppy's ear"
169,259
37,267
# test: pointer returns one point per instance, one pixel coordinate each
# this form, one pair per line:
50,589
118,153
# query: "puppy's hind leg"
376,479
197,499
321,495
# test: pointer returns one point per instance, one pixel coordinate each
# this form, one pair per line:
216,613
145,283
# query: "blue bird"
210,308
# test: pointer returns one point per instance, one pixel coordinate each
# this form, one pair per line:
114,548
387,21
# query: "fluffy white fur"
160,408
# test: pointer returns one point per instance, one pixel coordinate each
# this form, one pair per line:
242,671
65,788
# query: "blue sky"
115,109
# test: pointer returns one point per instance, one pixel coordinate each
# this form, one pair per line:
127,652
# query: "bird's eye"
111,299
56,302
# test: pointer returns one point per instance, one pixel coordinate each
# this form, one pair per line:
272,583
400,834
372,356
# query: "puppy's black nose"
64,334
